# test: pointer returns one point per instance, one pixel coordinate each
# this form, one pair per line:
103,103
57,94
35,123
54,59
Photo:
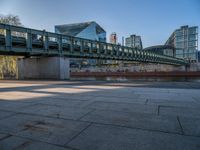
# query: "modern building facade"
185,42
87,30
113,38
134,41
162,50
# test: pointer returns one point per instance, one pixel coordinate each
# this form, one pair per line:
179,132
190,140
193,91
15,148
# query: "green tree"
8,64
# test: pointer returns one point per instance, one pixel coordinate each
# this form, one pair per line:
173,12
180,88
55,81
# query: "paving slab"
77,96
126,107
22,95
61,99
190,125
17,143
4,114
171,96
197,98
113,94
16,123
131,99
62,102
64,90
56,111
3,135
179,111
135,120
103,137
12,105
169,102
55,131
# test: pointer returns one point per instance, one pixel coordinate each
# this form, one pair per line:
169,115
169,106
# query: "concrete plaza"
99,115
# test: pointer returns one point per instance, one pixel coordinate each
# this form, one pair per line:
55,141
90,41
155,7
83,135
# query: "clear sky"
154,20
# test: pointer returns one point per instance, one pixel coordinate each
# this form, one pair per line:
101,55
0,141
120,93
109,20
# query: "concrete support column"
44,68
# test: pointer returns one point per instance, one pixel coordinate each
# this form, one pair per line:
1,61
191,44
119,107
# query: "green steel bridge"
15,40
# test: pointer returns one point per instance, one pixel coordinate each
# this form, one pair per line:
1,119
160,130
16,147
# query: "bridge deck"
16,40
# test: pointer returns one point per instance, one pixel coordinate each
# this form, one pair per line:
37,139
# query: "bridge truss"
15,40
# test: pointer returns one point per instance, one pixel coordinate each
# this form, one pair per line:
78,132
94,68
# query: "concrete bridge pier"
44,68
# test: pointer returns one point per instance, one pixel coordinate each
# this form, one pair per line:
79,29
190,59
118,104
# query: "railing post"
112,50
117,53
128,54
106,49
147,56
136,54
150,56
29,40
153,58
90,47
132,55
81,45
122,51
45,40
98,47
72,44
144,56
140,55
59,38
8,37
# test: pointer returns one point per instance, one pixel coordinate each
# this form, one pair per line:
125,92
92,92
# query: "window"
179,38
179,45
179,33
179,51
179,56
193,30
192,43
193,37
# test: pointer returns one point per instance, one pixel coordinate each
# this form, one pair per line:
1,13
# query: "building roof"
76,28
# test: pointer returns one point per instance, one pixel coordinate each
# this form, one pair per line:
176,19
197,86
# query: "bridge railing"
39,42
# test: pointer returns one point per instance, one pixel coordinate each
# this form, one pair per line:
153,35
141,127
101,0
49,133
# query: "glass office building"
185,42
134,41
87,30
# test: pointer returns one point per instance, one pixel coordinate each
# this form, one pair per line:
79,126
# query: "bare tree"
10,19
8,64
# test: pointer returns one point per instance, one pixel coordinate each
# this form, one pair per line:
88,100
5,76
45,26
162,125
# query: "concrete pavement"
99,115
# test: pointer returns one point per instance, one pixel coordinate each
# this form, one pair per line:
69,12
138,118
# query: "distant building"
162,50
185,41
113,38
134,41
122,41
87,30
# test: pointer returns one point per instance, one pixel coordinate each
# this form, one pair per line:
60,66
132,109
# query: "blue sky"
154,20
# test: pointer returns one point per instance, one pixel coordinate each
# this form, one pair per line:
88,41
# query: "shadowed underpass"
99,115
